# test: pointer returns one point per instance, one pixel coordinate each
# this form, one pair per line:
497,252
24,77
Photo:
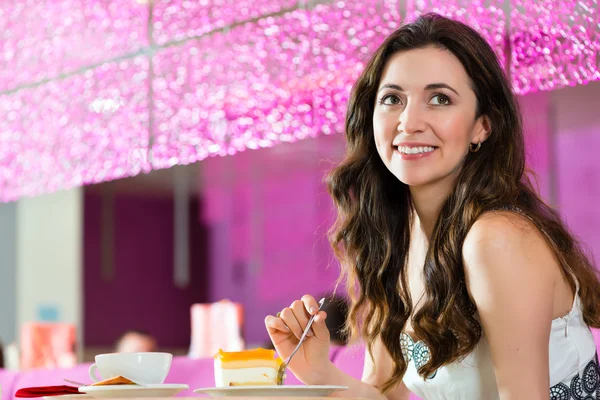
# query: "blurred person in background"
336,308
135,341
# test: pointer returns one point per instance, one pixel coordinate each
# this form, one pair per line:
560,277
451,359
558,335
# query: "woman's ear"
483,129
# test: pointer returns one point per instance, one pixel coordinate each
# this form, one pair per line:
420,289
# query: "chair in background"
216,326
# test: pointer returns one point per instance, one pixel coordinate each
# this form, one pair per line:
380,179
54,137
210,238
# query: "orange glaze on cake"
247,359
254,354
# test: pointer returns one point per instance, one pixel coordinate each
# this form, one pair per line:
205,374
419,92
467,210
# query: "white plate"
129,391
68,397
264,391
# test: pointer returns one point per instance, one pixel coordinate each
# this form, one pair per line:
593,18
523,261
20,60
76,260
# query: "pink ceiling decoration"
554,43
218,95
44,39
87,128
345,36
175,20
281,84
486,16
101,89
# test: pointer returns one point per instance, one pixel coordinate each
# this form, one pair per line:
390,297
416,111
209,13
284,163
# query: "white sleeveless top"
574,371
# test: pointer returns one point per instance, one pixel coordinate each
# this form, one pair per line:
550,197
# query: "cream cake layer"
245,377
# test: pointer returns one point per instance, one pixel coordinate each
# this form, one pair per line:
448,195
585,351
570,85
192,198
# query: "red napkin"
46,391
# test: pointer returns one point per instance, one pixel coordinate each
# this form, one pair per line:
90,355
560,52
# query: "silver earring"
474,149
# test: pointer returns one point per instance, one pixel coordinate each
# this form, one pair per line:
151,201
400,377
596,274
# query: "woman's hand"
311,364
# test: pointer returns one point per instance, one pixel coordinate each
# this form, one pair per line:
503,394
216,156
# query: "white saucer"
265,391
129,391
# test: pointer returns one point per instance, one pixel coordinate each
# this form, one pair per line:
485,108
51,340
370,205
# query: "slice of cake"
246,368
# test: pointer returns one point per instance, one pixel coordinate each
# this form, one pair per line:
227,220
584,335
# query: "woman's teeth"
415,150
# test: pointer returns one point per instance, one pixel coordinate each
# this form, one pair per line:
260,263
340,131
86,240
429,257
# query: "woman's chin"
412,179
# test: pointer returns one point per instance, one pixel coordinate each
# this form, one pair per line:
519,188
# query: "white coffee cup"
141,368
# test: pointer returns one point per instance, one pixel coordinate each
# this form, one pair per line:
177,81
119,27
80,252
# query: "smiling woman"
475,288
464,283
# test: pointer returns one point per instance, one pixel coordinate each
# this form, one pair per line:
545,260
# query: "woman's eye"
390,100
441,99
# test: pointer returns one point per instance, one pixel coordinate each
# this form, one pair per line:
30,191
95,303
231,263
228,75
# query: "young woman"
464,284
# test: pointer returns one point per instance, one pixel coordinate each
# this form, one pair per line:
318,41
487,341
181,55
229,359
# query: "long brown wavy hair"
371,236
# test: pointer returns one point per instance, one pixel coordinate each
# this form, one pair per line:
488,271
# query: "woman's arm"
376,371
510,274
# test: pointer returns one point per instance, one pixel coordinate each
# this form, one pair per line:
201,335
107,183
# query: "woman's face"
424,117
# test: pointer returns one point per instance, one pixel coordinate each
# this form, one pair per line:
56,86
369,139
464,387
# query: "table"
242,398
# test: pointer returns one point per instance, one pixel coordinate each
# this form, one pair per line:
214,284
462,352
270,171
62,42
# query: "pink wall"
538,141
576,151
267,212
141,294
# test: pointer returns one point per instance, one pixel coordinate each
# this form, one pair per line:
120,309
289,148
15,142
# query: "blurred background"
162,162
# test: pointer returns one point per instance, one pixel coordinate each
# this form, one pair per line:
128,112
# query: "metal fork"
78,384
286,362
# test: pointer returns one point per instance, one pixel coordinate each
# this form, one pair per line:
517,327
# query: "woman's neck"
427,203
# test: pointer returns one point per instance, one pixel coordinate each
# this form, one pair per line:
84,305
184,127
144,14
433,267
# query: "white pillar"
49,258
